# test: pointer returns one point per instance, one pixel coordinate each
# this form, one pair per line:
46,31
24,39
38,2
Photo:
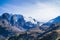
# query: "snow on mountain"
57,19
20,21
30,19
50,23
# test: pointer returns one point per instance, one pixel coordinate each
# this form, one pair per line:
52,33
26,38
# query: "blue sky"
41,10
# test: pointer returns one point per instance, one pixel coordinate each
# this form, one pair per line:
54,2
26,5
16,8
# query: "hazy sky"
41,10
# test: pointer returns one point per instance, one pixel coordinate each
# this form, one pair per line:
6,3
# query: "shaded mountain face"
7,30
12,24
16,24
18,21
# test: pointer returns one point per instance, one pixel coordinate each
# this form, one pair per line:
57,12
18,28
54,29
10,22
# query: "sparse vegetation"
21,30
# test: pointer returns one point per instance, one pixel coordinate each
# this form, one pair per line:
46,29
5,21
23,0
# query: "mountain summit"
55,20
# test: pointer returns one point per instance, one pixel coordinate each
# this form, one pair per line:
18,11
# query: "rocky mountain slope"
17,27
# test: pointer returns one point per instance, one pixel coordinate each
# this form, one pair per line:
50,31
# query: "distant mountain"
50,23
55,20
11,25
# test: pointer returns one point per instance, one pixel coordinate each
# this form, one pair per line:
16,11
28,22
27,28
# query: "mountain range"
13,24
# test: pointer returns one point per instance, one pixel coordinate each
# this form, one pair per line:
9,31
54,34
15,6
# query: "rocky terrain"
15,27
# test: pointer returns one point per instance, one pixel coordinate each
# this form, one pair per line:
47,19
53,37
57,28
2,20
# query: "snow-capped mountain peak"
30,19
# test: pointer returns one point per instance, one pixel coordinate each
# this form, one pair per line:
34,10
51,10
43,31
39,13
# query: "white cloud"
40,11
